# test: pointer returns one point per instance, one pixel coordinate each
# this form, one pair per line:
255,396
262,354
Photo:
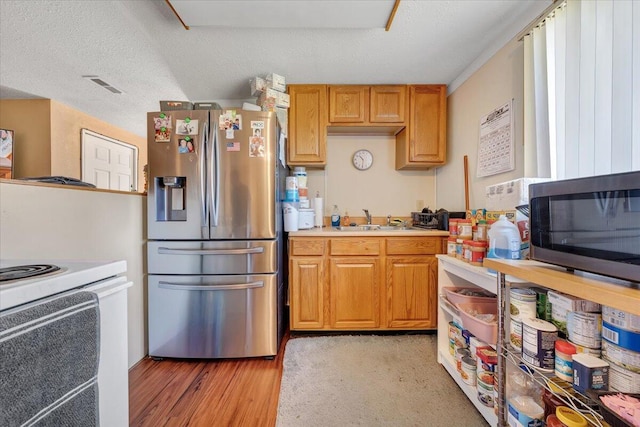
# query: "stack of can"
522,305
621,348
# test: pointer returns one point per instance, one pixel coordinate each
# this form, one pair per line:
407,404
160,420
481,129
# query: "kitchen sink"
372,227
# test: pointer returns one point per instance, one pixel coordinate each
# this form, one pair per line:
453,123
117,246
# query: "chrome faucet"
366,214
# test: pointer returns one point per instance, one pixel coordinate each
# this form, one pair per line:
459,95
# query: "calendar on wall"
495,144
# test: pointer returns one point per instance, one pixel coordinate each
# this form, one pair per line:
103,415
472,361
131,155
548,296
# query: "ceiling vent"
102,83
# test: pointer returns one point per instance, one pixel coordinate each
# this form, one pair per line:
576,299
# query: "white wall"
69,223
381,189
499,80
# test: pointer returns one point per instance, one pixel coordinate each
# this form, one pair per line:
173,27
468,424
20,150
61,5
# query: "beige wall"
498,81
56,223
381,189
66,127
30,119
48,140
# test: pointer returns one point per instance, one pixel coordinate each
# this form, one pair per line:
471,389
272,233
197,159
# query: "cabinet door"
412,292
354,293
306,283
348,104
307,135
387,104
423,143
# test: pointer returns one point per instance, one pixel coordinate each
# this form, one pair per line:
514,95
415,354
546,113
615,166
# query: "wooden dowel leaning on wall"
466,183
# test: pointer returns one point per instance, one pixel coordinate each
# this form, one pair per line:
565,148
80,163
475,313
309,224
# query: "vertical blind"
582,90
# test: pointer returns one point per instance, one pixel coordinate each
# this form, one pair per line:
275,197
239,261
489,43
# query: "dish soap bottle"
346,218
335,217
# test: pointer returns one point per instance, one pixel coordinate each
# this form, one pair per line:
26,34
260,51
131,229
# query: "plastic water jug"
504,240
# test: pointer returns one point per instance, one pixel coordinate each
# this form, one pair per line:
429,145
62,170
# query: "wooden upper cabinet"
307,134
348,104
387,104
423,143
370,106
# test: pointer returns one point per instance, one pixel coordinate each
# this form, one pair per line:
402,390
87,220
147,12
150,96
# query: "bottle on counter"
346,218
335,216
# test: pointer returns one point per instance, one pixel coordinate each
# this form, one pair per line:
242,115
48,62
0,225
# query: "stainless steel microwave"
590,224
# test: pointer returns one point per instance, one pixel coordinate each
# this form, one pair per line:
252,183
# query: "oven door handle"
249,251
210,286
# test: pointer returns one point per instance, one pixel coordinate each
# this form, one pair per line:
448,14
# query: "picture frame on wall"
6,153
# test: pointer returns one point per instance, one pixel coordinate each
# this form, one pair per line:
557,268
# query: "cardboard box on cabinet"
258,85
276,82
270,99
507,195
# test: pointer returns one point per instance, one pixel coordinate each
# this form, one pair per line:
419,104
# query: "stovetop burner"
25,271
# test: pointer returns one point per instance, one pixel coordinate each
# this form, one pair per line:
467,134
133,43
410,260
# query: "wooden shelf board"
619,294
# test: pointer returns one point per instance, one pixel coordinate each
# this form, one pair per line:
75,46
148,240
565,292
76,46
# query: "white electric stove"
49,277
106,279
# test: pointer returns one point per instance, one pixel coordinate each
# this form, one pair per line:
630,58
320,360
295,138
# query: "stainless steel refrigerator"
216,279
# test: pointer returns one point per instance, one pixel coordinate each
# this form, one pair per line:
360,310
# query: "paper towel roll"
318,209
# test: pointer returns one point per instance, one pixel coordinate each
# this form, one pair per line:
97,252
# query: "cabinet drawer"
413,246
307,247
355,246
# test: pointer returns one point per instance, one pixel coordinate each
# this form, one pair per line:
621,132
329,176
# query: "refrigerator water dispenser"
170,198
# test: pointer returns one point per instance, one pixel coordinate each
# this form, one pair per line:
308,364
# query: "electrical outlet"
419,205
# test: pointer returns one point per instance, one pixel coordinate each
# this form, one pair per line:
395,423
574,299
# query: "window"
582,90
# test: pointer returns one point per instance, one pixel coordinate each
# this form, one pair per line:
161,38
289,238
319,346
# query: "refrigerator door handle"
203,190
169,251
210,287
215,170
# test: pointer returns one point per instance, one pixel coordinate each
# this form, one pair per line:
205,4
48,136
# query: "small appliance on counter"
438,220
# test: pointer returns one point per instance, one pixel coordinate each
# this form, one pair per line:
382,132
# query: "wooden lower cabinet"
363,283
412,292
307,292
354,293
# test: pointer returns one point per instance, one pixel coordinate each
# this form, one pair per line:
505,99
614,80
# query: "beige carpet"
368,380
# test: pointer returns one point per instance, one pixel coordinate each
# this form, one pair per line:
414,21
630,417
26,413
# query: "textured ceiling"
140,48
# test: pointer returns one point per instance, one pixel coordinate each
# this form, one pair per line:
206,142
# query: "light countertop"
332,232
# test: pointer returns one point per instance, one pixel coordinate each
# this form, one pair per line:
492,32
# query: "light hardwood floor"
212,393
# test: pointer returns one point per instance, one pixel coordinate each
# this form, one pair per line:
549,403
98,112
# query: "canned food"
564,360
468,372
522,303
538,343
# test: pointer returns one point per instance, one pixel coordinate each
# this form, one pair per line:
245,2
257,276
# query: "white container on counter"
291,218
305,218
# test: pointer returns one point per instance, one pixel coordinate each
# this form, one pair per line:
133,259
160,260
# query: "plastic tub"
609,415
482,327
465,295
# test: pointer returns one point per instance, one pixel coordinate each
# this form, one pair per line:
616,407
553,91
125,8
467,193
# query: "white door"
108,163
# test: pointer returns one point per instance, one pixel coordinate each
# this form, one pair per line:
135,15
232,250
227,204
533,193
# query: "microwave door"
176,200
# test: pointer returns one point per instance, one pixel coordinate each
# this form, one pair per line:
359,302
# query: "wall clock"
362,159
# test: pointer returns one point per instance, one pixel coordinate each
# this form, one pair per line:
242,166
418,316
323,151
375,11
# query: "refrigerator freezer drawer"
213,316
228,257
